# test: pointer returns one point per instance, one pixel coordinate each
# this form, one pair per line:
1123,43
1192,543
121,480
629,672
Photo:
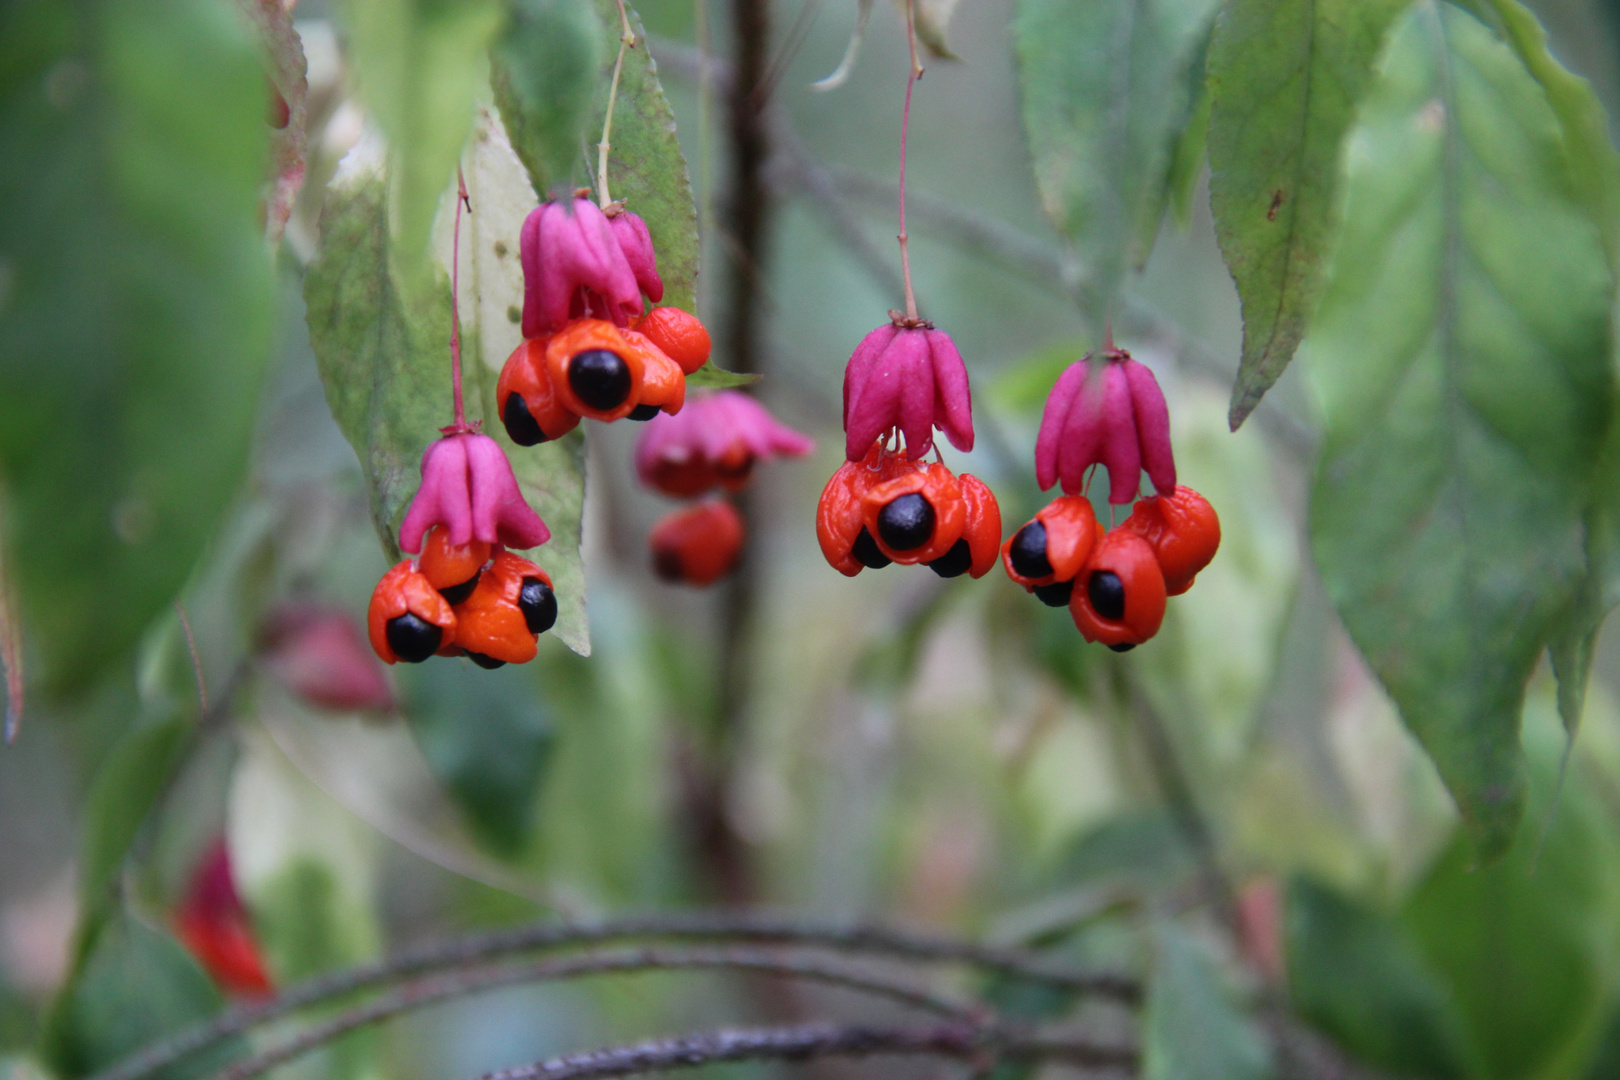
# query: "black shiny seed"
1107,594
457,594
599,378
1125,647
413,639
907,522
1028,552
520,423
1056,594
667,565
538,604
867,553
489,663
955,562
643,412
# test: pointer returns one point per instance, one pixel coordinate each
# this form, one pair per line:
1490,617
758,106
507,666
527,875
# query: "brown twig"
968,1042
473,949
458,984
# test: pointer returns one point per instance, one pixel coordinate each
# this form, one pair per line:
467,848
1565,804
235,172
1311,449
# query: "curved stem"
431,991
912,76
455,301
982,1044
627,40
441,955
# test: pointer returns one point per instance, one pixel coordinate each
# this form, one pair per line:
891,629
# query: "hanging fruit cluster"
713,444
1111,412
588,351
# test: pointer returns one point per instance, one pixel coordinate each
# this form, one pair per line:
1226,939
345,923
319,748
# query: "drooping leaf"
1526,948
385,359
646,168
1190,1026
488,738
1360,978
1594,163
134,985
543,69
1461,352
1286,79
135,298
1575,640
137,771
1108,88
289,111
420,66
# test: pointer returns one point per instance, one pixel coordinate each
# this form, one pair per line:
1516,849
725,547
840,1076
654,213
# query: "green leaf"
543,71
1287,78
1359,977
136,772
715,378
646,169
1108,88
385,359
420,66
1190,1027
135,985
135,298
488,738
1461,353
1594,165
1575,641
1526,949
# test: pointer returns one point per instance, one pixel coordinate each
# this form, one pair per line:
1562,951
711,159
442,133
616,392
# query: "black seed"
457,594
599,378
1126,647
907,522
488,663
867,553
538,604
1028,552
1056,594
643,412
520,423
955,562
667,565
1107,594
413,639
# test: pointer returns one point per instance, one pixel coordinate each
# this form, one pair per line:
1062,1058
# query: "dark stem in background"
721,853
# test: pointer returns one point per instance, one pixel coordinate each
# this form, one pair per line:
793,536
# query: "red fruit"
980,543
213,926
450,568
917,516
408,620
511,605
1183,531
1056,549
530,409
679,334
320,654
1119,595
699,545
840,518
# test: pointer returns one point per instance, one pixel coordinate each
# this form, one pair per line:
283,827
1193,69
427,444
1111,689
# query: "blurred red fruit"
320,654
213,925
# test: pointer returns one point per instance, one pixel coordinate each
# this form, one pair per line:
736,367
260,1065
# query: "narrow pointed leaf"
1286,78
1461,352
420,66
1108,88
135,299
544,68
